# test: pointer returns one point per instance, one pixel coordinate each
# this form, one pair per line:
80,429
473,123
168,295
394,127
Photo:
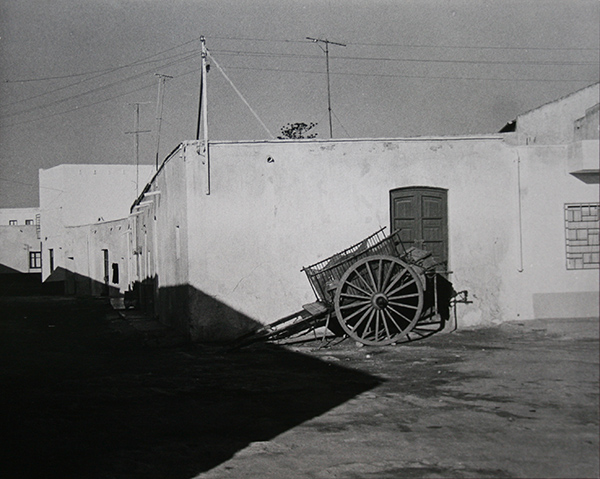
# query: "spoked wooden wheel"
379,300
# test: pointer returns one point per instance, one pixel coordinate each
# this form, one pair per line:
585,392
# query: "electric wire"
405,45
81,107
390,75
407,60
111,69
97,89
78,107
479,47
184,56
107,71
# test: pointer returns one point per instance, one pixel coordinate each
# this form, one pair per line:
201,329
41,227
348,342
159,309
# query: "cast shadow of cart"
80,400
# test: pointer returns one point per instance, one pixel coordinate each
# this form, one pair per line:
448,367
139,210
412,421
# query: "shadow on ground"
82,399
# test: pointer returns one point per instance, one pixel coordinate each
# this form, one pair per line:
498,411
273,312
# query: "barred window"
582,235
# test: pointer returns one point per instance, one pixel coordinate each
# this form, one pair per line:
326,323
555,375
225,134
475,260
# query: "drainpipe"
520,269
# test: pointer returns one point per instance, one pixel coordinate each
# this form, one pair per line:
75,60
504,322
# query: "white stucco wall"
552,290
84,247
553,123
20,215
277,206
16,242
264,220
159,219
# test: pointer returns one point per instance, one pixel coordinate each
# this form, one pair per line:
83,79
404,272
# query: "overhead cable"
406,76
241,96
94,90
412,60
408,45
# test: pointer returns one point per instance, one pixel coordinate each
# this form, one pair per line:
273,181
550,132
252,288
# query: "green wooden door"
421,213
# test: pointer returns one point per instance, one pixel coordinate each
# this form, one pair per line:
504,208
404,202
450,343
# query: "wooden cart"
375,292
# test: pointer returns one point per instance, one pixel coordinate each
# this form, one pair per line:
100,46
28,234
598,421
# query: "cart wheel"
379,300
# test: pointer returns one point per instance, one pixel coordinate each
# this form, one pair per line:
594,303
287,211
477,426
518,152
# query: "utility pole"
326,50
136,131
202,104
159,108
203,116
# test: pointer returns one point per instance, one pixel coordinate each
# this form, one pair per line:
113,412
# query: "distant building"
19,216
20,249
80,206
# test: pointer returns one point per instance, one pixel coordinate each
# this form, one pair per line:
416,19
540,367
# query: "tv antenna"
159,108
326,50
136,131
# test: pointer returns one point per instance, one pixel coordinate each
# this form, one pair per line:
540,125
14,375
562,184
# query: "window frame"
582,235
35,260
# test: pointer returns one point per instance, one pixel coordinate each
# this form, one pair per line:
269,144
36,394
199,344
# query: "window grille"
582,235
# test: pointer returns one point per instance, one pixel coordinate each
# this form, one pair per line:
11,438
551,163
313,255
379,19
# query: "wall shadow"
60,282
194,314
17,283
80,399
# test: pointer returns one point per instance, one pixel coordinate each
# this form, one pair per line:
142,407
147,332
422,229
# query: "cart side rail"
324,275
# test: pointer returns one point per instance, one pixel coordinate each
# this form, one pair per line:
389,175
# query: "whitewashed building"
221,235
83,230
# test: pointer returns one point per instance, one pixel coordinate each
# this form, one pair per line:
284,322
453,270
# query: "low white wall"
275,207
82,249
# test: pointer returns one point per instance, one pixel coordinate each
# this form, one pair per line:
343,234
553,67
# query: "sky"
71,72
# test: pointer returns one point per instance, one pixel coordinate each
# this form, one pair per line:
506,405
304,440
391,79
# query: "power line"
479,47
266,54
111,69
104,72
192,54
407,76
94,90
78,107
408,60
81,107
405,45
246,39
422,77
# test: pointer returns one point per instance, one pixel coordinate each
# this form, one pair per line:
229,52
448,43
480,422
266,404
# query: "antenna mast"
159,108
136,131
326,50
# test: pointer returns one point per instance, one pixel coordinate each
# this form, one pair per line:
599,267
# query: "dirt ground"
87,394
